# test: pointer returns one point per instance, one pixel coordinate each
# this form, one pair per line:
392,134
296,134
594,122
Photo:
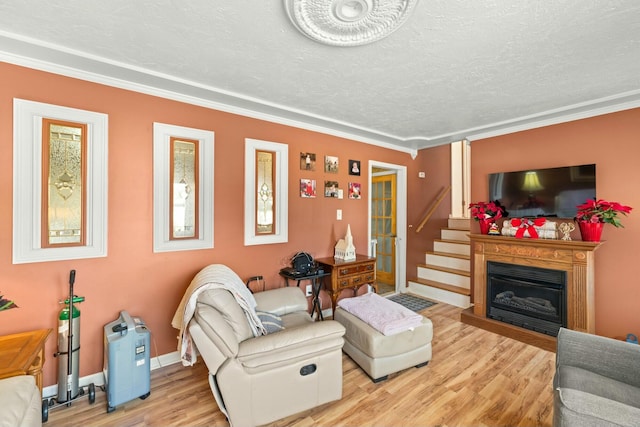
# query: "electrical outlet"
308,291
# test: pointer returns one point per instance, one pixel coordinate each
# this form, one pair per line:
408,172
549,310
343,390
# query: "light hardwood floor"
476,378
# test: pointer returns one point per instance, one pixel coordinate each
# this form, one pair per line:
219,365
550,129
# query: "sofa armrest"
282,301
577,408
290,345
608,357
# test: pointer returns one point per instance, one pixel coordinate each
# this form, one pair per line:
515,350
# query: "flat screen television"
552,192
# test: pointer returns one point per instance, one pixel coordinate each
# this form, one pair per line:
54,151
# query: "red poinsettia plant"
601,211
485,210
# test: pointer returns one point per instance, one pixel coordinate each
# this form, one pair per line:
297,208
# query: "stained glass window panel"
184,189
265,192
64,153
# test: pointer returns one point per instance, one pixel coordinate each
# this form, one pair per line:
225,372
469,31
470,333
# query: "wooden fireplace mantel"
576,258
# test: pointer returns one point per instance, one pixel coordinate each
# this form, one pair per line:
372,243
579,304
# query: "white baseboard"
98,378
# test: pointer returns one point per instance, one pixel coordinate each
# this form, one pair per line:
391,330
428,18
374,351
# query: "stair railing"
434,204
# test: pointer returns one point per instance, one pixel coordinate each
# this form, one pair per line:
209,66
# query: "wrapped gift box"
538,228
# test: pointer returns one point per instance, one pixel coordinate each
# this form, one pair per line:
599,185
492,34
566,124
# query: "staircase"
445,275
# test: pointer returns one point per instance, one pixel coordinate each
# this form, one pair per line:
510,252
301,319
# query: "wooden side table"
348,274
23,354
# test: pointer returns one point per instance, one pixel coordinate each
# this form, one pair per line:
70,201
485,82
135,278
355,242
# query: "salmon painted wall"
611,142
132,277
436,163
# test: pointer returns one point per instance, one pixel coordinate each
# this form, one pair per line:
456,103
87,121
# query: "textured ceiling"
455,69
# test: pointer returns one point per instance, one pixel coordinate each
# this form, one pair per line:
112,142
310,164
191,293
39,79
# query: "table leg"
315,287
36,368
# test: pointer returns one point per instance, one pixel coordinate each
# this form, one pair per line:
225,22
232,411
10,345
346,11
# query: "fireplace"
554,262
529,297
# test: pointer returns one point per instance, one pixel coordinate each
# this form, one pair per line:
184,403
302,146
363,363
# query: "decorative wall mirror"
266,192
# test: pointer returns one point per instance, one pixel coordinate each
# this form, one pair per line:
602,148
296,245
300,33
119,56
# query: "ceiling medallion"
348,22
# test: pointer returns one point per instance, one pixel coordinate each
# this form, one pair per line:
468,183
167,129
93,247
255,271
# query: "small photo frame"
331,164
355,190
308,161
308,188
354,167
331,189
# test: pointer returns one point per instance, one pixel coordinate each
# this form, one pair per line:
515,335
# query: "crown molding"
66,62
56,59
585,110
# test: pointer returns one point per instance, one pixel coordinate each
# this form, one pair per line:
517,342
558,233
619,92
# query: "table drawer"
357,280
355,269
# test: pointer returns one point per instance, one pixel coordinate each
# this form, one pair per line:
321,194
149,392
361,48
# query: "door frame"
401,219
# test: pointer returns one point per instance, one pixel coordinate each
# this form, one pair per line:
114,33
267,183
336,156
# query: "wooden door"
383,226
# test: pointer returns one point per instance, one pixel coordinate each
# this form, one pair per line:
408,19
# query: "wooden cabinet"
348,275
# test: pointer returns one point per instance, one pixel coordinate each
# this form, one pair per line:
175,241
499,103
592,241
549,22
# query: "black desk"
315,287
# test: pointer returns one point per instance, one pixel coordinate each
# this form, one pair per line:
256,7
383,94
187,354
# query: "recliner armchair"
257,380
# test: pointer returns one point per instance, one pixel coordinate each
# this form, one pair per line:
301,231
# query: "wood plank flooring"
476,378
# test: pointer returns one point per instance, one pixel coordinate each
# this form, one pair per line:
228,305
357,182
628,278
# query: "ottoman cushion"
380,355
374,344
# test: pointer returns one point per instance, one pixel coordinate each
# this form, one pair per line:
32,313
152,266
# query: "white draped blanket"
215,276
386,316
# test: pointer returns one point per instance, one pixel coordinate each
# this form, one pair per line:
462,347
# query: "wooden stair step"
449,255
458,242
446,269
443,286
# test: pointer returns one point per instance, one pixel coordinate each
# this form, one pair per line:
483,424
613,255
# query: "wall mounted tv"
553,192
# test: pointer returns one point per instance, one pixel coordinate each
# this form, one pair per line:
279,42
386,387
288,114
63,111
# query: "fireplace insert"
529,297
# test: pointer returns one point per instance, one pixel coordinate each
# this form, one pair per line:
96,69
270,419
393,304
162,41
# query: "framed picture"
355,190
331,189
308,161
354,167
331,164
308,188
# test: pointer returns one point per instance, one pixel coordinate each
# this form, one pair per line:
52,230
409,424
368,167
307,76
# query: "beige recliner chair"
257,380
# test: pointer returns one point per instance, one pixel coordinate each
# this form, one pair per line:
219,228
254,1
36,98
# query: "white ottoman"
380,355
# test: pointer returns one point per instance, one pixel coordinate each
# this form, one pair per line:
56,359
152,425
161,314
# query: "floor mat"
411,302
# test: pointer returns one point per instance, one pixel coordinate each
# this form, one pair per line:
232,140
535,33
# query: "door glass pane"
387,263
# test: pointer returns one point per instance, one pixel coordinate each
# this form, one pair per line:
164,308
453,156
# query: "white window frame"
27,182
281,202
162,134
